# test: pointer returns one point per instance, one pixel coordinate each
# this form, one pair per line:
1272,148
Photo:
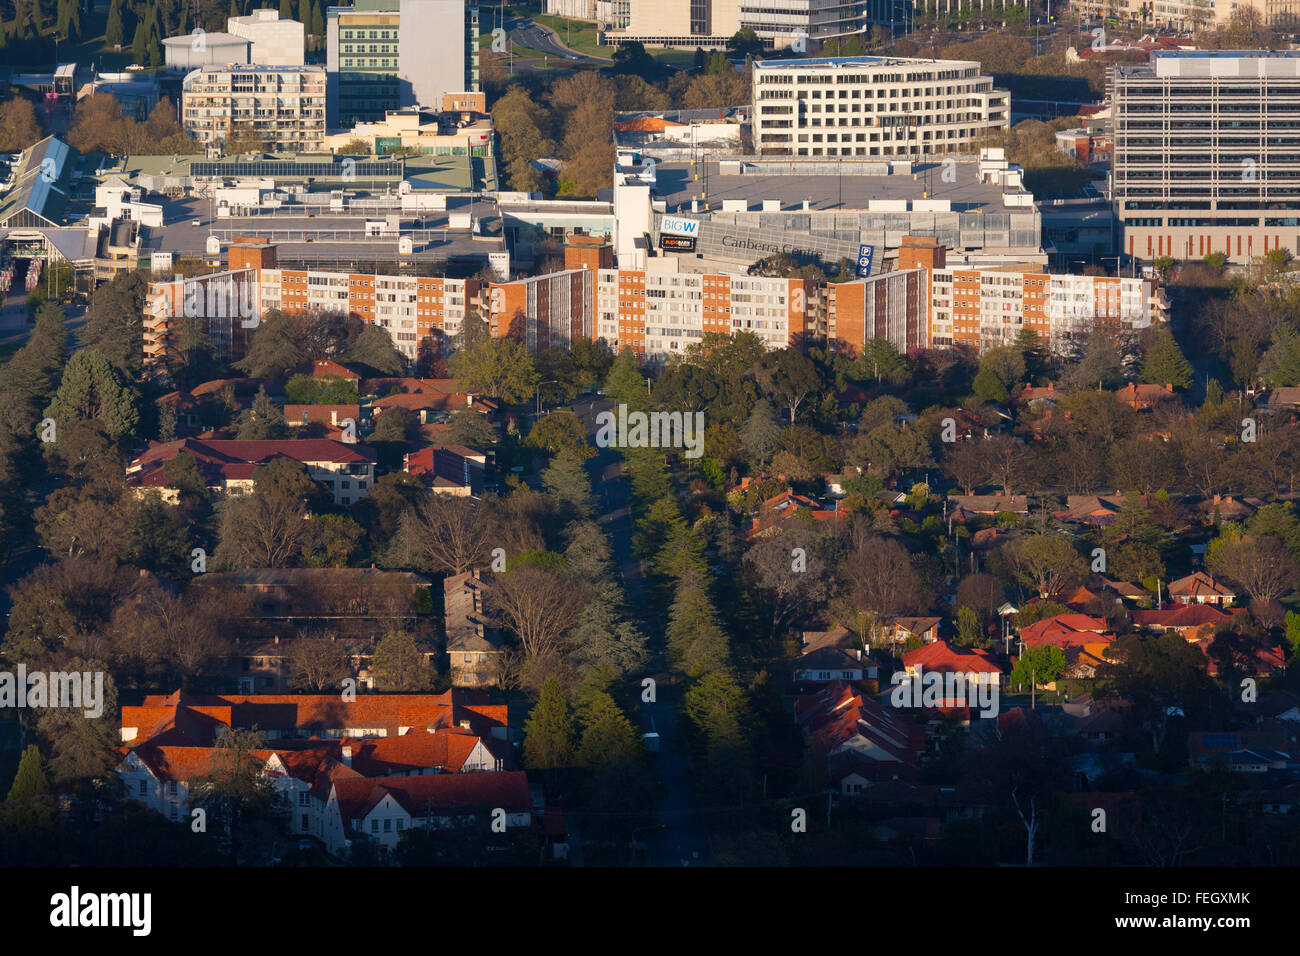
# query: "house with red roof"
777,511
839,719
1192,621
317,743
325,368
346,469
456,470
1142,397
381,809
1200,588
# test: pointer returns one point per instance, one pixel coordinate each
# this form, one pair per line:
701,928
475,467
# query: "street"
680,840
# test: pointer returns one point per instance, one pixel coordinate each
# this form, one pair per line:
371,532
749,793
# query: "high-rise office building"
387,54
1207,154
874,106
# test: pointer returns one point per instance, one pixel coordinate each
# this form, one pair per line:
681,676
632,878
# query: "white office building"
874,106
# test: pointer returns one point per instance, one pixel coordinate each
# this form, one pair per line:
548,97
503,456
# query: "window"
388,826
469,658
303,798
143,788
306,823
374,826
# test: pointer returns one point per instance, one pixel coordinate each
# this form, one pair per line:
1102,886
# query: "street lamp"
549,381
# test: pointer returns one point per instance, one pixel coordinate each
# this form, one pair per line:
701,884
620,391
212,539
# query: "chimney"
347,755
859,653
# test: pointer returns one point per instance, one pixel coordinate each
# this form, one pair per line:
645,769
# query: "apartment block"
874,106
284,106
389,54
655,313
1207,154
420,313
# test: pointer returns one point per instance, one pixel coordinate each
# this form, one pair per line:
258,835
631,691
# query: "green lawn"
91,50
577,35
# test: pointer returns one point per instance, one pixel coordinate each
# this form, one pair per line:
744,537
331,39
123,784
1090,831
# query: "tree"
399,665
374,348
745,43
607,735
548,732
397,424
317,662
272,349
1100,365
566,480
791,377
468,427
603,638
697,644
1038,666
113,32
561,430
498,368
761,434
92,390
260,531
1280,366
262,421
1261,565
331,541
18,126
624,384
115,325
539,606
1164,363
29,803
1046,563
235,792
446,534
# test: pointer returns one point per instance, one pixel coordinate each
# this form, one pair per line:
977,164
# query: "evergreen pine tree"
548,732
1165,364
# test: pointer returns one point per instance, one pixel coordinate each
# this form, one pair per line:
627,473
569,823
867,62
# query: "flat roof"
852,61
676,184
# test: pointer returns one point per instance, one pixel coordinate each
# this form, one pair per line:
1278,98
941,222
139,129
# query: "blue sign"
864,260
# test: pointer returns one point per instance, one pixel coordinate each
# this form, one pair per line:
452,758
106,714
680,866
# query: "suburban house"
1142,397
900,630
833,655
777,511
1192,621
990,504
1200,588
346,469
335,762
448,470
839,719
474,645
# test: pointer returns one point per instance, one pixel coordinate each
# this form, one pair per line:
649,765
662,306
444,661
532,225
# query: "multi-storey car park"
1207,154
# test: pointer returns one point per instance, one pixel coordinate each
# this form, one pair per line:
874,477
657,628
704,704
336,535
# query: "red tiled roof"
233,459
1184,615
940,656
439,792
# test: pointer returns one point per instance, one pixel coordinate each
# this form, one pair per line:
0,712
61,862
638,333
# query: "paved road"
543,40
681,840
